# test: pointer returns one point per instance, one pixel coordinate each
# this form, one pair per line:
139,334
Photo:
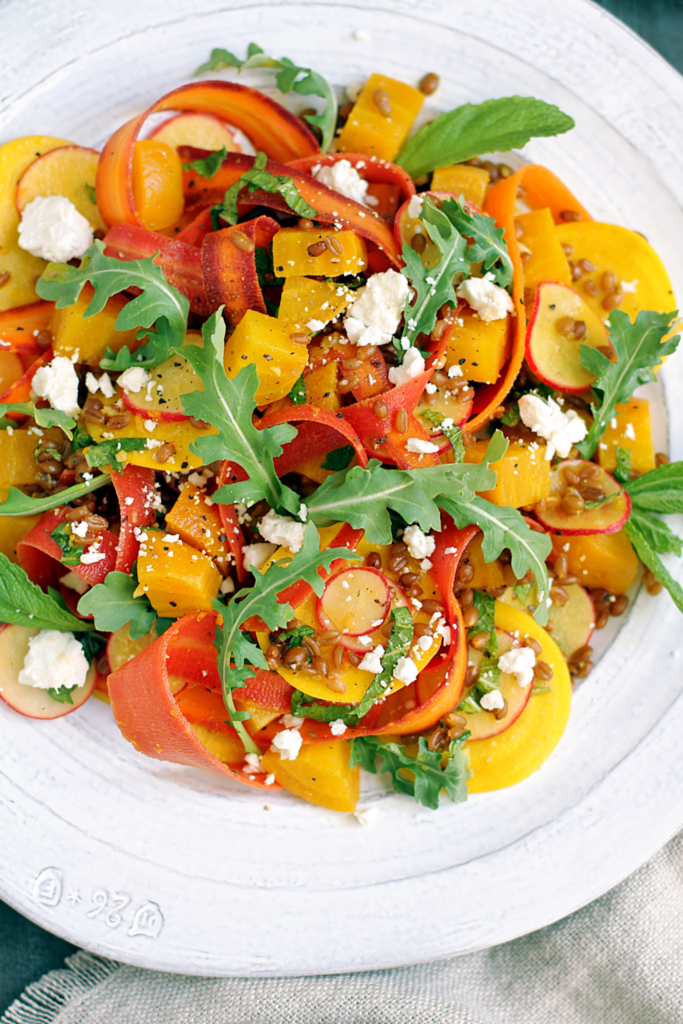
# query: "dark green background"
26,951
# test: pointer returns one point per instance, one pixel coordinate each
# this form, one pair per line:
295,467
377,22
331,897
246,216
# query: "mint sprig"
255,179
23,603
209,165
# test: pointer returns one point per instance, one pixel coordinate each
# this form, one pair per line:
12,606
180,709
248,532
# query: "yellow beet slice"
368,130
199,524
486,574
321,387
17,462
629,429
177,579
523,473
13,529
90,336
320,774
262,340
291,256
600,560
513,755
226,747
305,300
480,347
462,180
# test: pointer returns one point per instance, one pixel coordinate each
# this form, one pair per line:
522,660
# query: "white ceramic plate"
174,869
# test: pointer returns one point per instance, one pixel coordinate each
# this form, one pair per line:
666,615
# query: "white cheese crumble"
54,659
315,325
372,661
52,228
58,383
104,384
92,556
376,313
405,671
367,815
287,744
430,388
420,545
519,662
135,378
412,366
282,530
255,556
227,586
629,432
560,429
487,299
338,727
492,701
628,287
415,207
343,177
454,371
420,447
292,721
253,763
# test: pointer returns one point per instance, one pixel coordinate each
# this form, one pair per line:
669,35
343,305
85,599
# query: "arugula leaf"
485,605
112,604
295,636
210,165
157,350
229,405
62,695
453,433
219,60
638,348
43,417
237,655
20,504
660,490
81,439
649,558
22,603
257,177
63,284
657,534
92,643
71,550
105,453
494,126
622,472
298,393
429,777
511,416
364,498
339,458
487,245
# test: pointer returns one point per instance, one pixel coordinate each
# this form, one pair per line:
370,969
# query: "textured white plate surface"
174,869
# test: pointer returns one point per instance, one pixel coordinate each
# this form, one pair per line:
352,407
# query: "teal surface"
26,951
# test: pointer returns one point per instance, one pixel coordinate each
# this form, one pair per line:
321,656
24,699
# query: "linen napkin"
617,961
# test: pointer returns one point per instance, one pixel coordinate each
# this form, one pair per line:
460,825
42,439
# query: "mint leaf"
649,558
257,177
22,603
210,165
339,458
71,550
112,605
63,284
20,504
298,393
657,534
104,453
229,405
81,439
486,242
494,126
660,490
486,606
62,695
429,777
487,681
638,348
622,472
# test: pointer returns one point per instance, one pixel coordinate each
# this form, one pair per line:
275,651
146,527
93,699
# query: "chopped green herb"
339,458
257,177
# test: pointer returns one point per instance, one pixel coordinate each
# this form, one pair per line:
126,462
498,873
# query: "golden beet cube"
462,180
320,774
600,560
308,305
321,386
90,336
177,579
480,347
199,523
17,462
292,256
486,574
263,340
523,473
629,429
381,118
547,261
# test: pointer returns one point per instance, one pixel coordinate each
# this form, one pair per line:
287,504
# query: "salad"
320,445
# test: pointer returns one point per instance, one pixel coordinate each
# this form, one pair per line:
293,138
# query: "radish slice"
355,602
606,518
554,356
455,405
160,400
31,700
484,724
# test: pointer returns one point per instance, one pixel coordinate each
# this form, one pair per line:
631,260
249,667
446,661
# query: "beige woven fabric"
617,961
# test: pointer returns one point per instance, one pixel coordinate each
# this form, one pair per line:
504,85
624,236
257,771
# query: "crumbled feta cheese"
628,287
420,545
374,316
425,564
270,779
74,582
444,631
415,206
292,721
303,512
253,763
54,659
315,325
492,701
135,378
287,744
92,383
405,671
629,432
560,429
282,530
366,815
454,371
92,556
487,299
424,642
171,538
52,228
417,445
519,662
338,727
255,556
102,384
412,366
372,661
430,388
343,177
80,529
150,425
58,382
364,640
227,586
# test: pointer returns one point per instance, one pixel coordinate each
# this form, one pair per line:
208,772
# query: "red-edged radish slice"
354,601
606,518
203,131
553,345
67,171
455,405
32,701
160,399
485,724
572,623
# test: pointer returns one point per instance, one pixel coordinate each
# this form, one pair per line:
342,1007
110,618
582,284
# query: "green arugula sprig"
23,603
229,405
486,243
158,303
112,606
286,79
43,417
157,349
19,504
255,179
237,655
430,778
638,348
209,165
494,126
